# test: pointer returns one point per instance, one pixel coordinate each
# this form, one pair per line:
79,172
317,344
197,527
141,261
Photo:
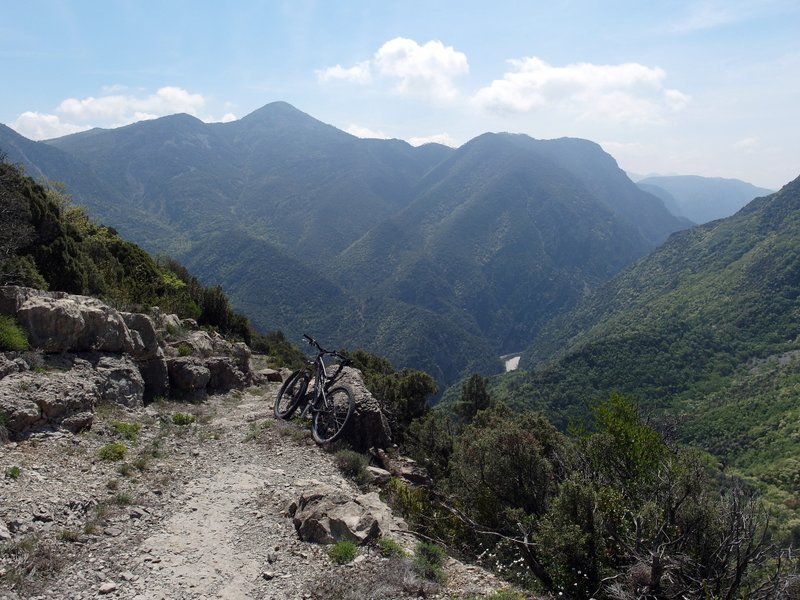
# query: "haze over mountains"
701,199
439,258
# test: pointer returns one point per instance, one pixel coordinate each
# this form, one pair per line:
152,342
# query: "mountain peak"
277,110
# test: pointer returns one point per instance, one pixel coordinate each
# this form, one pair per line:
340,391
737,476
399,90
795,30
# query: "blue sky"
691,87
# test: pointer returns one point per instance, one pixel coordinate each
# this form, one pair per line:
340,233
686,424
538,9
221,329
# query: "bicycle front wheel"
330,421
291,394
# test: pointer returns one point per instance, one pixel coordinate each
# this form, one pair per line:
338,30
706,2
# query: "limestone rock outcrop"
84,352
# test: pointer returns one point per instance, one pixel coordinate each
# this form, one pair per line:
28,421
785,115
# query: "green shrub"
69,535
343,552
124,469
113,451
353,465
428,562
123,499
183,419
12,336
255,430
13,472
184,349
127,430
388,548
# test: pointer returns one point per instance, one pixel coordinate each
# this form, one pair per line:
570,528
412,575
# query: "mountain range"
701,199
439,258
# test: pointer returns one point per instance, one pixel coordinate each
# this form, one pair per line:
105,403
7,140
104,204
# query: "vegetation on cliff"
48,242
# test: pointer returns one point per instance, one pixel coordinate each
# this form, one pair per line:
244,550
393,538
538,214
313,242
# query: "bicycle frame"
322,381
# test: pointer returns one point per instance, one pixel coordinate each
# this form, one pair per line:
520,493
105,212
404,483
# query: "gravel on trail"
195,509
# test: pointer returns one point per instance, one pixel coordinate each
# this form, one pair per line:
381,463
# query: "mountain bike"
330,407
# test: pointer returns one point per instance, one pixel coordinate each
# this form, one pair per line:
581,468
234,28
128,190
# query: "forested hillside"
685,331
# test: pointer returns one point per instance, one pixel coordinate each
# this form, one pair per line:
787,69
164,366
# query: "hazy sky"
692,87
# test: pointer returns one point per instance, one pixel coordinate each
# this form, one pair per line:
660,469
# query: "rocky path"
194,511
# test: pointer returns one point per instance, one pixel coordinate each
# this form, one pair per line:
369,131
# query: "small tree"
474,398
16,231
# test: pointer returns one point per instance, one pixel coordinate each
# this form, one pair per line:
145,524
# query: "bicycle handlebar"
315,343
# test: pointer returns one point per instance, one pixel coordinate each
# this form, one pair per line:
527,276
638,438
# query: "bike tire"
329,423
291,394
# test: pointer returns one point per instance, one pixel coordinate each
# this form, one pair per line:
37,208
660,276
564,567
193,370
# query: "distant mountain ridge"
438,258
701,199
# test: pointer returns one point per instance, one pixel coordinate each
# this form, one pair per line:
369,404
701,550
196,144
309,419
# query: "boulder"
378,476
220,344
241,354
200,343
10,364
369,427
170,323
59,322
144,326
12,297
121,381
267,375
189,324
403,468
187,374
225,374
46,399
325,515
78,422
21,411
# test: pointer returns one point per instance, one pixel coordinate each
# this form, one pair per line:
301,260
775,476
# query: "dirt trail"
204,518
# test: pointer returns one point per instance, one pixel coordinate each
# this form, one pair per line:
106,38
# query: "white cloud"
38,126
421,70
628,92
437,138
365,132
112,110
123,109
746,144
359,73
676,100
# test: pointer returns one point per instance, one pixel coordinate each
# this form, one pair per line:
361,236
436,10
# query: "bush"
387,548
12,336
343,552
183,419
353,465
128,430
123,499
13,472
428,562
113,451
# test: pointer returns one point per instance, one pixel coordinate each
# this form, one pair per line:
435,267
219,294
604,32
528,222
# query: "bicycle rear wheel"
330,421
291,394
